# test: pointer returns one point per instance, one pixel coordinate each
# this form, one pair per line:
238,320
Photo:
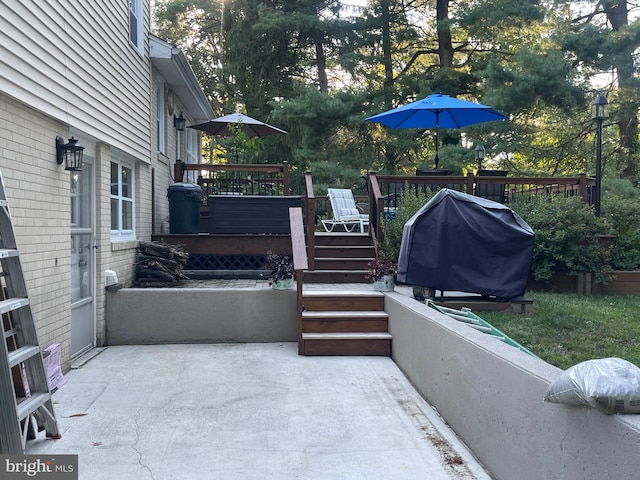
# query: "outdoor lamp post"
480,155
599,111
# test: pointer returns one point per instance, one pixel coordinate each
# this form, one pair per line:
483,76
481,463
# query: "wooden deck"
230,244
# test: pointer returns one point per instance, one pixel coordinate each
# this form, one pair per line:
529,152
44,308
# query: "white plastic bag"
612,385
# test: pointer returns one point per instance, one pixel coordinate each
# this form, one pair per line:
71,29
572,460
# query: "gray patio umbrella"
437,111
250,126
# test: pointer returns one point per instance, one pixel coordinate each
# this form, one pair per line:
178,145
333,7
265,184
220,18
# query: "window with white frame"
160,117
192,145
122,201
135,23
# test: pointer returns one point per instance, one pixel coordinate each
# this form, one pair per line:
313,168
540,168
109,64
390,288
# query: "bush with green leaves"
621,210
408,204
566,232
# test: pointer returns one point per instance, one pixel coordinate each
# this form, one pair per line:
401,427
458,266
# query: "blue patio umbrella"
437,111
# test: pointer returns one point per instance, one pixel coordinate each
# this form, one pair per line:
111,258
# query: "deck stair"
341,258
343,321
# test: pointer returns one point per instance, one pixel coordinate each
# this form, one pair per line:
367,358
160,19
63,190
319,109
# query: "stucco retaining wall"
137,316
491,395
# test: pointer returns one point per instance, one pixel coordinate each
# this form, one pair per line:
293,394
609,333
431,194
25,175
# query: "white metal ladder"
24,391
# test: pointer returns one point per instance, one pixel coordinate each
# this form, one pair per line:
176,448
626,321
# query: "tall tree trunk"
321,63
445,45
617,14
386,52
390,156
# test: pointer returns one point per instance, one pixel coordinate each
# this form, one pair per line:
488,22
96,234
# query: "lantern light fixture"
69,153
600,108
179,122
480,151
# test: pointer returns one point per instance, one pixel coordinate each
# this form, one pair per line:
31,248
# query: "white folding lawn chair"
344,210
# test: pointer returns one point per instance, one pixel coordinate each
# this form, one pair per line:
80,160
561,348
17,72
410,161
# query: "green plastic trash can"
184,207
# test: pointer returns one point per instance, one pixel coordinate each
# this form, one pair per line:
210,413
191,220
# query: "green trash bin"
184,207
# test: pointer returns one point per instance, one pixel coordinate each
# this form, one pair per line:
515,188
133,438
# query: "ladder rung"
12,304
31,404
10,333
8,252
22,354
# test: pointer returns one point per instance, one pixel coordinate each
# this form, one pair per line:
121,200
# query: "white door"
82,261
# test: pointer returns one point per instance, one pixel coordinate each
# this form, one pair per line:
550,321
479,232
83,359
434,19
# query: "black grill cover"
459,242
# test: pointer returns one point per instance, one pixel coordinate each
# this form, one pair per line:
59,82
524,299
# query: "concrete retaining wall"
137,316
491,395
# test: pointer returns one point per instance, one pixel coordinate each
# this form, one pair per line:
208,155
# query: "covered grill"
459,242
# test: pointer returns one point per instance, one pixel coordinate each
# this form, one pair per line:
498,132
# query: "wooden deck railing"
300,256
310,210
384,190
235,179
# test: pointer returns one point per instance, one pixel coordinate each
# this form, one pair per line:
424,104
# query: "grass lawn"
565,329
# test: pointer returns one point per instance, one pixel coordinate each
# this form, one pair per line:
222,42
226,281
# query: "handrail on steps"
310,209
299,252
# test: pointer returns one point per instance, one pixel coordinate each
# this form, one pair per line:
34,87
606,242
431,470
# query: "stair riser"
345,252
351,239
347,347
319,276
341,264
344,325
328,304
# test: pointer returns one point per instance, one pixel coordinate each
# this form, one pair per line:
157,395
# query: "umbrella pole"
437,160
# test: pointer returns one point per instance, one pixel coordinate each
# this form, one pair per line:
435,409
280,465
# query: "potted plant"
281,271
383,271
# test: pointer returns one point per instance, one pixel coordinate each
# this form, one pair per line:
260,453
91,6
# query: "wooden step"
339,322
347,343
327,238
344,251
341,263
337,276
342,300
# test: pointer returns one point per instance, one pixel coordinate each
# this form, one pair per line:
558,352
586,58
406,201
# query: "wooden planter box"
623,283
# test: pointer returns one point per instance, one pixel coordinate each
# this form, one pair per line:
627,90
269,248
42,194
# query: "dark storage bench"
250,213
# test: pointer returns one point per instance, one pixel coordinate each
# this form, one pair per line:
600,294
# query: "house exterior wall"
37,191
68,68
73,62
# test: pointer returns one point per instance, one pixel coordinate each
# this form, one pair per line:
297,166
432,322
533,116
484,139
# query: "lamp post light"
480,151
599,111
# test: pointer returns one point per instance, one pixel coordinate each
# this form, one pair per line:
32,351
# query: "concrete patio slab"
249,411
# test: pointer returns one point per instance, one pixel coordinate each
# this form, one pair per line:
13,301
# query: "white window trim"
121,234
136,15
161,119
192,146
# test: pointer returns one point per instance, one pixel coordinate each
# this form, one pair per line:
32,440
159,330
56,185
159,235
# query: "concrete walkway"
249,411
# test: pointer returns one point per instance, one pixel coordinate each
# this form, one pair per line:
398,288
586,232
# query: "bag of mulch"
612,385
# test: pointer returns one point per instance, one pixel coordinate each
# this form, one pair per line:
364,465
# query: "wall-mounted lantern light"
480,151
179,122
69,153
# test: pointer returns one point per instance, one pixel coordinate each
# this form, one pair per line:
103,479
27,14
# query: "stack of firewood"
160,265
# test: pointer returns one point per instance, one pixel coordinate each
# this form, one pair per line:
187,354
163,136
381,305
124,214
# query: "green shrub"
408,204
623,217
566,232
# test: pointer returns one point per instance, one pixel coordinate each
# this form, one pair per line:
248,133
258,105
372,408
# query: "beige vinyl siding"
79,68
